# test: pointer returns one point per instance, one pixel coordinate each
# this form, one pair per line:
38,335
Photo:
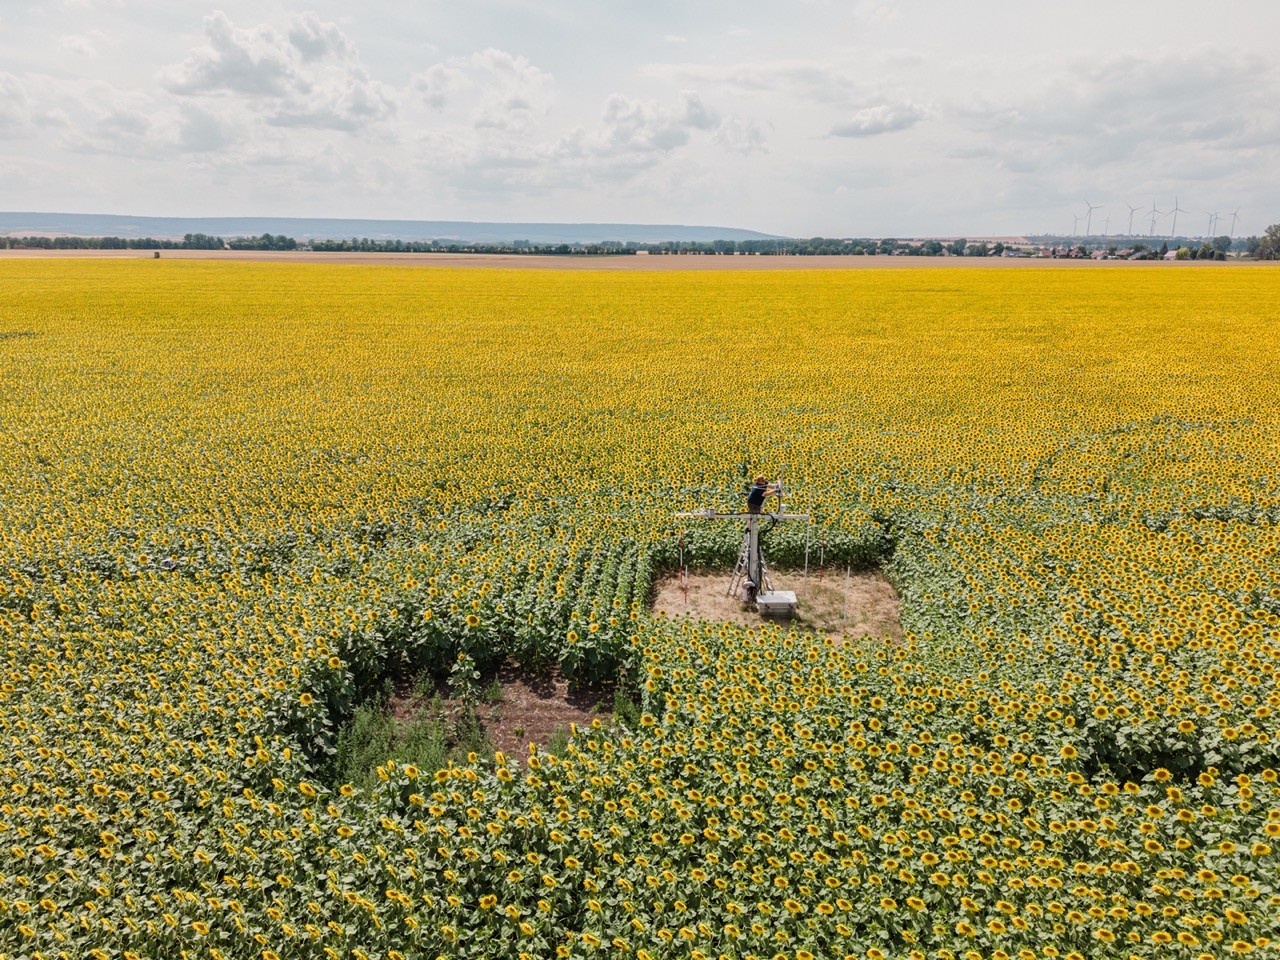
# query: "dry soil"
861,603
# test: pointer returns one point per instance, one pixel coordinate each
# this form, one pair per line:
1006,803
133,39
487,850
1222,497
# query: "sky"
843,118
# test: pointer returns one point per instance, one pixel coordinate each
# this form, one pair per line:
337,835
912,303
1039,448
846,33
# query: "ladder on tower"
764,599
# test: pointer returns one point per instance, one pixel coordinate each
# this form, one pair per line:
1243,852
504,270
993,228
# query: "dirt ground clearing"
864,605
534,707
531,709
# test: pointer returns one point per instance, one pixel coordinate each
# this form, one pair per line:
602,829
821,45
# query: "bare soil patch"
862,604
532,707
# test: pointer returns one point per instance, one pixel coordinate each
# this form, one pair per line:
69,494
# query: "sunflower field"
235,498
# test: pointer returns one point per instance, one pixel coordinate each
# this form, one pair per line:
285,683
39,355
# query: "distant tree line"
192,241
814,246
366,245
264,242
1215,249
833,246
1266,247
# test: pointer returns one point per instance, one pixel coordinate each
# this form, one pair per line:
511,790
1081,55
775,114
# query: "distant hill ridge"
311,228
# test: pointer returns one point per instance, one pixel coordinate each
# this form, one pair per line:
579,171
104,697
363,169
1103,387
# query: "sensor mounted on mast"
751,583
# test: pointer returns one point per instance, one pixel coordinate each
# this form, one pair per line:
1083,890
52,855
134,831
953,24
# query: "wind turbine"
1106,227
1175,211
1075,223
1154,214
1212,218
1132,211
1088,225
1234,216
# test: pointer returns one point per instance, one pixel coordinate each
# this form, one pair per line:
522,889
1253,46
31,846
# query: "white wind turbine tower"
1088,225
1154,214
1132,211
1106,227
1075,223
1212,219
1175,211
1234,216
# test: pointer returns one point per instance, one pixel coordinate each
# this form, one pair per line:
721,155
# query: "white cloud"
344,103
876,11
492,88
310,79
440,83
255,62
203,131
822,81
316,39
121,122
1115,113
82,44
103,119
901,57
515,89
740,135
21,115
1122,100
1001,123
884,118
643,125
16,109
633,142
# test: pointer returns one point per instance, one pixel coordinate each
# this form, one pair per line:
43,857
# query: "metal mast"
751,577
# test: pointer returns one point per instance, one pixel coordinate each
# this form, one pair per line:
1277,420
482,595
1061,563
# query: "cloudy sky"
853,117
